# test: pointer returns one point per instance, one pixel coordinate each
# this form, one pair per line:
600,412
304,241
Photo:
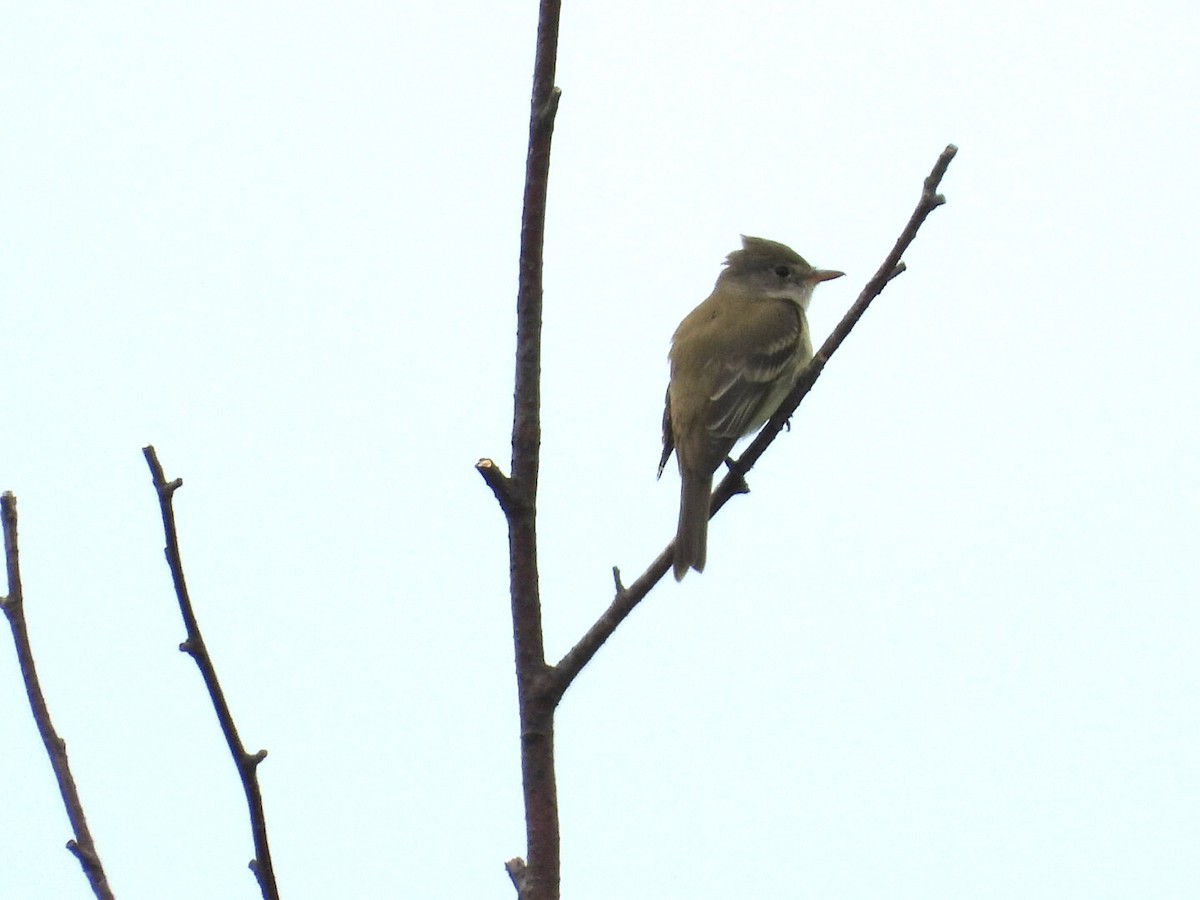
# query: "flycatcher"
734,358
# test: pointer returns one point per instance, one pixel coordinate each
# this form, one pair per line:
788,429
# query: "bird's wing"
746,383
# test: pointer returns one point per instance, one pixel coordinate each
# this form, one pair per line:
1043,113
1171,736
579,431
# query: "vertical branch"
537,878
247,763
527,426
82,846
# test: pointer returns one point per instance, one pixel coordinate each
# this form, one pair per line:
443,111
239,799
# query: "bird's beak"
820,275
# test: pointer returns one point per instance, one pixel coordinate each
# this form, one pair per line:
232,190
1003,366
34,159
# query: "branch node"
516,871
617,580
87,858
737,477
253,759
502,486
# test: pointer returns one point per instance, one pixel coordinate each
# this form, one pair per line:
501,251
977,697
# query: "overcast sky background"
946,648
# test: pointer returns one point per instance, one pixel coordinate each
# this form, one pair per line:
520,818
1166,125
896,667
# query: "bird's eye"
783,271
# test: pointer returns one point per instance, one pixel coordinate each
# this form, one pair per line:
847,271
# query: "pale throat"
800,294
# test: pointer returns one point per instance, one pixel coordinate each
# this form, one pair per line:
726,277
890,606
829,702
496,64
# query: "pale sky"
946,648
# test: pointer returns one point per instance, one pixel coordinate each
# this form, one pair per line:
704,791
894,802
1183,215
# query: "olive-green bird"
734,358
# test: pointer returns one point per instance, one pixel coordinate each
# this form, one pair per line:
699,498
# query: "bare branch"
247,763
82,846
734,482
538,878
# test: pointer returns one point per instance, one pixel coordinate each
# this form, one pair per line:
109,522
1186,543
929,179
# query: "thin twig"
82,846
733,483
247,763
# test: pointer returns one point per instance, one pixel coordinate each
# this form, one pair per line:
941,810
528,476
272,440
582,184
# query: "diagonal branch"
628,597
82,846
247,763
891,267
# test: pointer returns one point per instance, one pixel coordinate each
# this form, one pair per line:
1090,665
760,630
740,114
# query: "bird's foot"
739,486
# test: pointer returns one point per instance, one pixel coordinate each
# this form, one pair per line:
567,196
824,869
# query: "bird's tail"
691,536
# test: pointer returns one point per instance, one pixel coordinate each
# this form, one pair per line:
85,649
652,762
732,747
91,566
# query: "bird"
734,358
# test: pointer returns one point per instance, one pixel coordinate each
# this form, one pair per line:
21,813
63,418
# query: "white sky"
948,646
